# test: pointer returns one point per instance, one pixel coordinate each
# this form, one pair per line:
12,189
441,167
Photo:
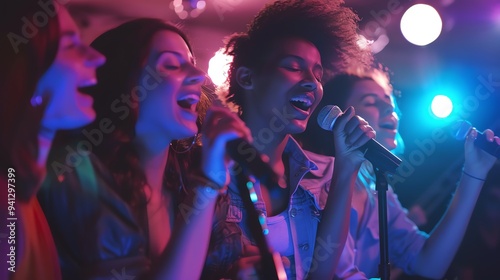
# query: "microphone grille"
327,116
459,129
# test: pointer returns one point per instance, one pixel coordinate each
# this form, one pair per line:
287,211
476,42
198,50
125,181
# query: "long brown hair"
337,92
27,50
125,48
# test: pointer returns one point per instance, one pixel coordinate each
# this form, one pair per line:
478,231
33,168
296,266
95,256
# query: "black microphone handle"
461,128
380,157
250,160
490,147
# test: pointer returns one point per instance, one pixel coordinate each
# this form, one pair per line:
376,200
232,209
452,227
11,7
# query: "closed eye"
293,69
69,46
171,67
169,60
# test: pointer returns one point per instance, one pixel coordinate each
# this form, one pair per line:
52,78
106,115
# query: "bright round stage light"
421,24
218,66
441,106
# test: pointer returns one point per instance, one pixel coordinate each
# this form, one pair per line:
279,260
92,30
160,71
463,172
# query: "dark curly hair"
328,24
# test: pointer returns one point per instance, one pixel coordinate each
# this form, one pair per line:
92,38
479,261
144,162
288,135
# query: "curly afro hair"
327,24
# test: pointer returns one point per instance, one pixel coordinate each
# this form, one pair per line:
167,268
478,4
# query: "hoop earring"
187,150
36,101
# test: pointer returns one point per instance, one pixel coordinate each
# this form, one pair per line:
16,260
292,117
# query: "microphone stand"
271,265
383,162
381,186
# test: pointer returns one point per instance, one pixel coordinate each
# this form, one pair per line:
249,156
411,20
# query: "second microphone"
377,154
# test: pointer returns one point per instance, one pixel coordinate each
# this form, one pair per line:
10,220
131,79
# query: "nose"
387,109
196,76
390,116
308,85
94,58
309,82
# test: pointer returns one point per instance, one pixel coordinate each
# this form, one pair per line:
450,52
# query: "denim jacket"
97,234
309,178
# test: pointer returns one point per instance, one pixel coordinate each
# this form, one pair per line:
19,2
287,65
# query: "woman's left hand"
477,161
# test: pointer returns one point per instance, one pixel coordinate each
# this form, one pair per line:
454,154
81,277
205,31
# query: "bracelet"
474,177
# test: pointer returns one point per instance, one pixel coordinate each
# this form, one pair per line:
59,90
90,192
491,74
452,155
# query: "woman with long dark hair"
140,203
43,66
369,91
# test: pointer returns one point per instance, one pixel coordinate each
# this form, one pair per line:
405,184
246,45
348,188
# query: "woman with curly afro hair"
275,83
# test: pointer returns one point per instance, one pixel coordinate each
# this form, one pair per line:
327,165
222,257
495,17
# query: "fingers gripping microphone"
373,151
461,128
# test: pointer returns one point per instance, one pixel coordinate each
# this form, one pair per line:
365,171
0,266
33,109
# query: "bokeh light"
218,67
441,106
421,24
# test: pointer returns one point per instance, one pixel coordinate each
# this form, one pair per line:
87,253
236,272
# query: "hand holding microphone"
481,149
486,141
350,132
224,133
372,150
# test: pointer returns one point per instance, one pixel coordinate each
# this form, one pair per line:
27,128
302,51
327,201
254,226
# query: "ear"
244,77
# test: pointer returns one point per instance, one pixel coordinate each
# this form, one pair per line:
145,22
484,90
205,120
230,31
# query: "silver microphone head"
327,116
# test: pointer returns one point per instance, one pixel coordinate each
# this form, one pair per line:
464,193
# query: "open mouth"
87,83
301,103
388,126
189,102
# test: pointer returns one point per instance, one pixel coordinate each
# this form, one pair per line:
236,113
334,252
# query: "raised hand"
478,162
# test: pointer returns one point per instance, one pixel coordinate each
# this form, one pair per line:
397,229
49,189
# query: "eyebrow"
68,33
374,95
178,54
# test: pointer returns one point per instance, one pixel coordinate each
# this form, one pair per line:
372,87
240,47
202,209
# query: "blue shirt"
361,255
